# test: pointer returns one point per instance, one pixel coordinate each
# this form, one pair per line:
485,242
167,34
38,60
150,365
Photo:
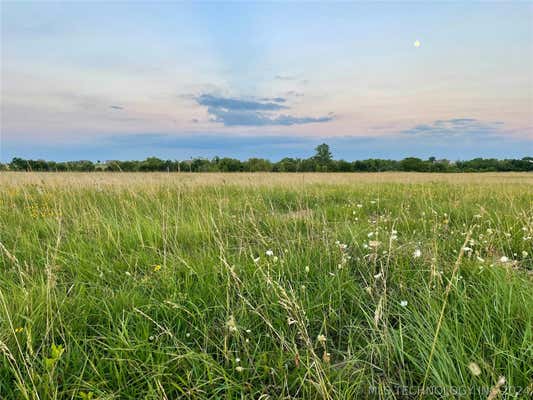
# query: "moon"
417,44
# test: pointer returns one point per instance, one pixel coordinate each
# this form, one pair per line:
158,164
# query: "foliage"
322,161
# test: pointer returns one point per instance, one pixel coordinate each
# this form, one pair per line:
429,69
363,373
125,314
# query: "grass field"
266,286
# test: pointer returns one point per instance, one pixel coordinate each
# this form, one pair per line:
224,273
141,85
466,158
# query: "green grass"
86,311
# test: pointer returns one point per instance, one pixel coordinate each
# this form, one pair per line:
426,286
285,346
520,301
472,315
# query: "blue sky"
178,80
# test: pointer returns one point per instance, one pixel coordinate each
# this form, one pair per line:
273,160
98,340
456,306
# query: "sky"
128,80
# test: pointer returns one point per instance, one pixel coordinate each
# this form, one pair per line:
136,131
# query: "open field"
270,286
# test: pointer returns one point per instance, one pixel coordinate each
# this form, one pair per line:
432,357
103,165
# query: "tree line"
322,161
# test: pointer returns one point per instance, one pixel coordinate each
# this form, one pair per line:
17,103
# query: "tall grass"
164,287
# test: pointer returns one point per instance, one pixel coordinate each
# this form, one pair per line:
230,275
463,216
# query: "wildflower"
237,360
524,254
474,369
19,330
359,206
403,303
343,246
504,259
188,334
275,258
239,368
156,268
256,260
231,324
467,249
269,253
321,338
307,269
248,331
417,253
495,391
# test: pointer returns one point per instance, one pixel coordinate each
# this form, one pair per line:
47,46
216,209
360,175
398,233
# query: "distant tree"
287,165
257,164
227,164
323,154
413,164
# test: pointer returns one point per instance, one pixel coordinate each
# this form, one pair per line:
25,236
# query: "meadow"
266,286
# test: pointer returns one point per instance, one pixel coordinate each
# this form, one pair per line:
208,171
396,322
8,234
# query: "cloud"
274,99
236,118
245,112
457,128
116,107
236,104
285,78
294,93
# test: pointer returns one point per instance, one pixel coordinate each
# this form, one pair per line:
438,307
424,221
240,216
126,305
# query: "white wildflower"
231,324
504,259
474,369
321,338
417,253
403,303
269,253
